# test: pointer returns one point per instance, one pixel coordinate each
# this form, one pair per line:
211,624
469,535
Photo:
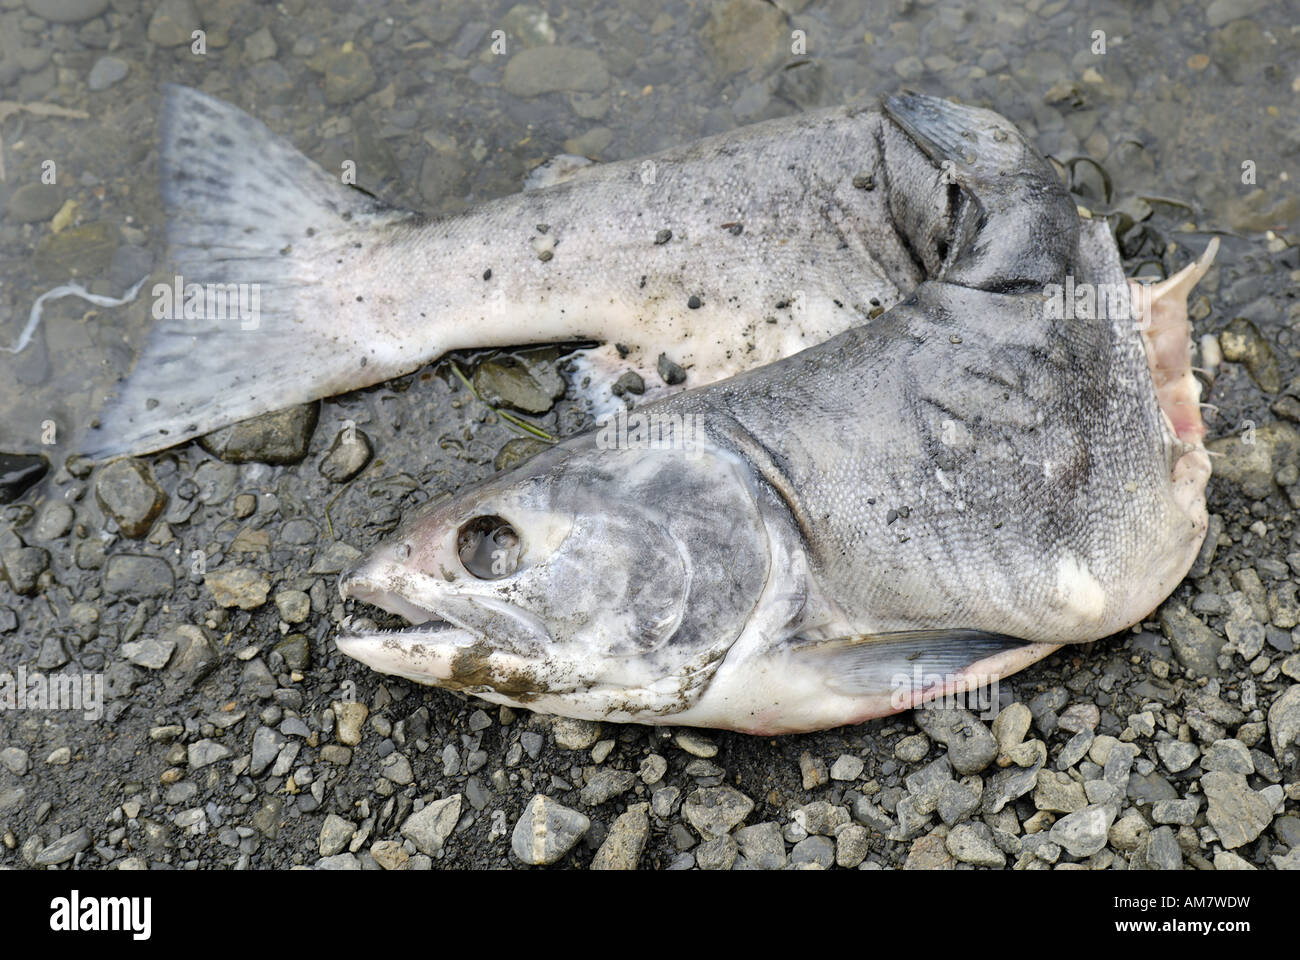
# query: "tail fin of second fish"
255,318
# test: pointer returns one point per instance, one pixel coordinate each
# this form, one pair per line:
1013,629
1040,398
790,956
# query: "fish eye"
489,547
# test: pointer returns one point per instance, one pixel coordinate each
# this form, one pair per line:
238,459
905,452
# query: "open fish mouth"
474,644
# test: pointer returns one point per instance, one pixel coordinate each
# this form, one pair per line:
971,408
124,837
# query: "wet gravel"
199,584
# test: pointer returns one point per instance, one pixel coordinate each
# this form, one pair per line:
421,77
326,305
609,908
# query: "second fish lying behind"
723,255
923,502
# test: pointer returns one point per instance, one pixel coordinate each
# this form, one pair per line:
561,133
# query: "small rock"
821,818
341,861
151,653
281,437
1058,793
126,491
625,841
390,855
912,749
1231,756
429,828
1284,722
1162,850
1242,343
173,23
669,372
929,853
1181,812
716,854
1227,860
762,846
818,851
973,843
606,785
106,72
350,717
653,769
267,742
347,455
14,759
259,46
335,834
957,801
547,831
548,69
714,811
696,744
847,767
1176,755
575,734
971,747
64,849
242,587
205,752
852,844
1194,644
294,605
348,73
1237,813
813,771
1128,832
67,11
1084,833
23,566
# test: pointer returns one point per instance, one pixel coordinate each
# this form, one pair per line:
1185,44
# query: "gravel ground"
199,583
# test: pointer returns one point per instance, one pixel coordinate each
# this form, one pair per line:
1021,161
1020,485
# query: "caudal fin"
260,236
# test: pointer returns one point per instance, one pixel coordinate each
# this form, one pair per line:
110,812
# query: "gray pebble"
971,747
814,850
1162,851
714,811
973,843
547,831
106,72
1084,833
335,833
762,846
606,785
206,752
1176,755
716,854
430,827
623,845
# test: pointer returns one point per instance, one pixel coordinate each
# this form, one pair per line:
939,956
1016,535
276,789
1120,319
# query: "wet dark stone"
22,567
126,491
138,576
18,472
277,438
670,372
630,382
347,456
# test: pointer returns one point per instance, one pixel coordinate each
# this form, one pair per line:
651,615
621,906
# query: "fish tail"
250,323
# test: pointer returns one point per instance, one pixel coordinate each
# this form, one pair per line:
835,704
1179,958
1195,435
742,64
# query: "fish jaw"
456,642
1166,333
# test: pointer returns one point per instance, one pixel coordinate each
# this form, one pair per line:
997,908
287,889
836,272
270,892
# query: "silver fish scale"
1065,459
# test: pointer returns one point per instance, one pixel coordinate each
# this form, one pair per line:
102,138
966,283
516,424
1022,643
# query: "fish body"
723,255
920,504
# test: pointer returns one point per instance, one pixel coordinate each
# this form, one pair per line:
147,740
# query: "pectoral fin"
915,661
